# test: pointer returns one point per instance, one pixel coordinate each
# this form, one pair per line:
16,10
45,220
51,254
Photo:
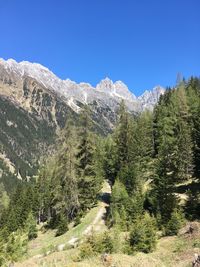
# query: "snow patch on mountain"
106,91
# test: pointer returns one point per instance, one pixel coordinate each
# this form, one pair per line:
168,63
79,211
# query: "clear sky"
141,42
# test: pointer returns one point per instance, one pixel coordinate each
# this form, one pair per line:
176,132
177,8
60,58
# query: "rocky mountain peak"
105,85
150,98
108,92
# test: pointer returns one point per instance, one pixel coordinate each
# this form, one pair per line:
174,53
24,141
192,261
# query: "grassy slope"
173,251
47,241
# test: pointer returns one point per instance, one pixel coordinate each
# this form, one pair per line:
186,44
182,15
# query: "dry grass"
171,252
176,251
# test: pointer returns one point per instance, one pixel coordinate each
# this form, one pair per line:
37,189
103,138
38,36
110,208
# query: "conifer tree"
184,136
192,206
88,185
31,226
143,234
143,145
119,203
110,159
175,223
193,99
66,184
62,225
121,137
167,156
4,199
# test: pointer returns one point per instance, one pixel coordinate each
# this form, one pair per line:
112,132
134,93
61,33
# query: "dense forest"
150,159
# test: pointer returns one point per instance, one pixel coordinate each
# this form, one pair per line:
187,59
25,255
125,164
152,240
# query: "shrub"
62,225
143,235
86,251
104,243
192,207
175,223
97,244
31,227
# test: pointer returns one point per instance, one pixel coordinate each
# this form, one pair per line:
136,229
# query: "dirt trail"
98,223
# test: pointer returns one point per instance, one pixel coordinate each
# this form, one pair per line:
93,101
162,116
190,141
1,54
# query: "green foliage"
143,234
21,204
192,206
62,225
129,177
14,249
97,244
86,251
121,136
175,223
174,149
88,182
31,227
119,201
109,159
27,134
4,199
145,158
124,167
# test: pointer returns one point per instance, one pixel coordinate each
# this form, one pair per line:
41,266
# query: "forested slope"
150,160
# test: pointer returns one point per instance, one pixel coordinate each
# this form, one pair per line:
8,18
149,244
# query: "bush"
175,223
104,243
16,246
192,207
97,244
86,251
31,227
62,225
77,220
143,235
119,200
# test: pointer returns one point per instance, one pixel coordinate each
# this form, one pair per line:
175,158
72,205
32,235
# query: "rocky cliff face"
106,91
35,104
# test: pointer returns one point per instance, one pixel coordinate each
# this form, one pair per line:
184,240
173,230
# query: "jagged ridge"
106,91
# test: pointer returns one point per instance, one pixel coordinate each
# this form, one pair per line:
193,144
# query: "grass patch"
43,241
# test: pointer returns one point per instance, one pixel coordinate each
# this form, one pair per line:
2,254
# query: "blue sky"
141,42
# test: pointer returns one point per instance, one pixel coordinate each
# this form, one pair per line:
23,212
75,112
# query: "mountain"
35,105
149,98
106,91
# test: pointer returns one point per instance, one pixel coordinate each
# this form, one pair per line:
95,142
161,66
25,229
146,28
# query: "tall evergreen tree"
88,185
121,137
66,189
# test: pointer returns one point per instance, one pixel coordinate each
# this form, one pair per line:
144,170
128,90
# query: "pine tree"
66,189
31,227
121,137
143,145
128,175
88,185
193,100
4,198
184,136
119,202
173,147
175,223
16,247
110,159
192,206
62,225
143,234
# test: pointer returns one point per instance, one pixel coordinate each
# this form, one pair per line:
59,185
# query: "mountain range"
35,105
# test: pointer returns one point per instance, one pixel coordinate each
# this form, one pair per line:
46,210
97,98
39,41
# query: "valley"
97,175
